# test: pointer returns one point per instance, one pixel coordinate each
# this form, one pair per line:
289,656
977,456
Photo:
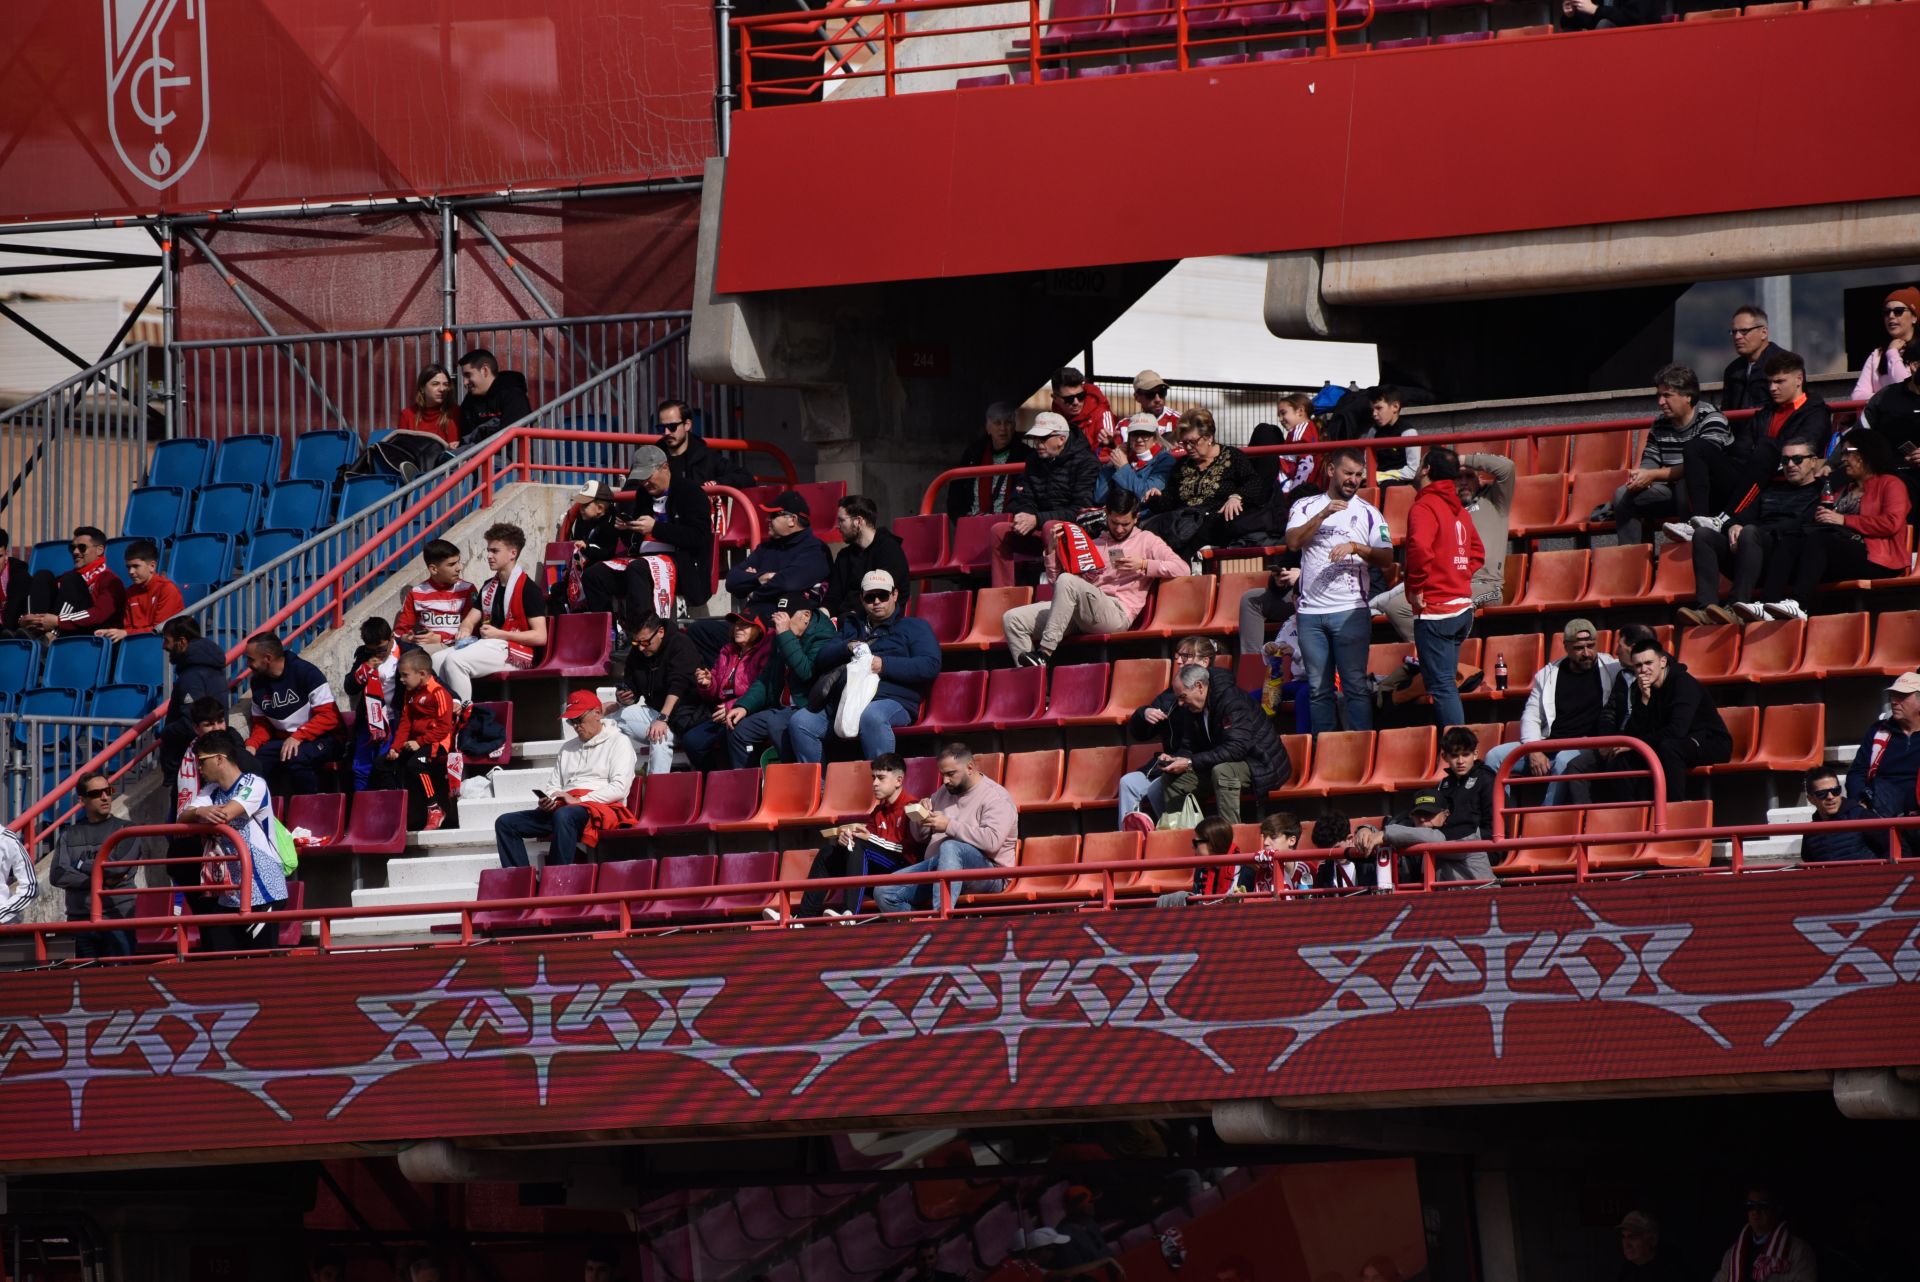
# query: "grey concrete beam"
1876,1094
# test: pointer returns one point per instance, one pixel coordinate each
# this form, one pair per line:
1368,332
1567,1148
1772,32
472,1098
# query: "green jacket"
789,667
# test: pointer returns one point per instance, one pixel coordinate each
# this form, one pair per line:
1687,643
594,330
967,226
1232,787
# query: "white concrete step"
1790,814
1842,754
453,868
416,926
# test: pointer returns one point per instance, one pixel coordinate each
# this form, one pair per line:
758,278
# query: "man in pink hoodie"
1104,599
969,822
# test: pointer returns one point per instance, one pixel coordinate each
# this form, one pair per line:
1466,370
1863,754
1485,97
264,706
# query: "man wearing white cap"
1888,760
1057,486
904,654
1141,466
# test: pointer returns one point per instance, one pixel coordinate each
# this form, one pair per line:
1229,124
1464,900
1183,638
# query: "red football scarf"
1756,1263
1075,551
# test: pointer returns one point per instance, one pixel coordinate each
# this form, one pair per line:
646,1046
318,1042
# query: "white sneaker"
1788,609
1714,523
838,912
1681,530
1751,610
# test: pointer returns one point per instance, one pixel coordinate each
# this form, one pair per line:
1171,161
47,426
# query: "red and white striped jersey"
430,607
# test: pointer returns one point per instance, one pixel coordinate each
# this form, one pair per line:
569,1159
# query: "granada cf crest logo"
157,85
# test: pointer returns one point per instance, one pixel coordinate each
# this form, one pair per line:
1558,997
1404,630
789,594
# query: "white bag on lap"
861,685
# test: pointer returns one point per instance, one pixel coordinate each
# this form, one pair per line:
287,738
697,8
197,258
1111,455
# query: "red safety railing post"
1033,41
1180,34
887,35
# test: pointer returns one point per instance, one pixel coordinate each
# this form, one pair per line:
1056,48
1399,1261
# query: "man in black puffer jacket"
1216,737
1057,486
199,672
496,398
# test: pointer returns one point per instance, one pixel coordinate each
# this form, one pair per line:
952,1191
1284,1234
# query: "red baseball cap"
581,702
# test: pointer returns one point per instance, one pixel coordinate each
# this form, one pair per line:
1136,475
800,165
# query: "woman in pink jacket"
1861,534
1885,367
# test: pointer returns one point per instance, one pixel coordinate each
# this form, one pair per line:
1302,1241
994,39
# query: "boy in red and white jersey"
430,612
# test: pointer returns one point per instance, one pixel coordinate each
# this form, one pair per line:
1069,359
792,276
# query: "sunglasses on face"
665,428
1739,332
1896,311
1759,1206
574,721
93,794
1071,397
873,597
1823,794
80,547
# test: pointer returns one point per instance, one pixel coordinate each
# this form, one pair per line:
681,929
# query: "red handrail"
1655,772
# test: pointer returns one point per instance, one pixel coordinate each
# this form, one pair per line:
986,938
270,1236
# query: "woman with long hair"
428,428
1859,531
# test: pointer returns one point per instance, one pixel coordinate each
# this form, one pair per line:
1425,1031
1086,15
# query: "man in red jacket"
1443,551
82,601
1085,407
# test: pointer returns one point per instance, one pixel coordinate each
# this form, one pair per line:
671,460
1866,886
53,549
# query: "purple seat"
1216,19
377,825
1015,697
1098,73
744,868
923,776
564,879
901,1224
965,82
1164,64
924,538
761,1217
955,700
1281,55
1026,78
1073,20
1221,60
288,936
1079,690
680,872
820,1262
949,614
159,939
861,1247
730,796
668,803
993,1234
720,1236
620,875
1411,42
1463,37
503,883
1138,19
578,645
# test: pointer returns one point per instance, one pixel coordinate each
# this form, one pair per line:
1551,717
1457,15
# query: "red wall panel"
1669,978
1649,122
258,102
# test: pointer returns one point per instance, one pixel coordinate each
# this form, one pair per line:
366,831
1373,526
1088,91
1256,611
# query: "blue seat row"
161,512
250,460
82,663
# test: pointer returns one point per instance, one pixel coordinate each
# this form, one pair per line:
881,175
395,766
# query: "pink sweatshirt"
984,817
1129,587
1872,380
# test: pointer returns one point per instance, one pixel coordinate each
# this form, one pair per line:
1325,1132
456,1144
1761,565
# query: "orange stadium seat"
1522,652
1600,452
1711,653
1037,852
1489,735
1180,606
1837,645
846,792
1620,575
1555,581
1034,777
1743,727
1684,853
1770,651
1174,843
991,765
949,614
1514,581
1545,454
1092,779
1591,489
1673,575
1793,736
1612,820
1399,502
1136,682
990,606
1342,760
788,791
1104,848
1562,821
1539,503
1388,656
1896,643
1403,758
1228,589
1299,750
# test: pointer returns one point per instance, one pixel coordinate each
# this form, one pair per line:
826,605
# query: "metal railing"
75,450
788,57
1237,408
38,753
360,380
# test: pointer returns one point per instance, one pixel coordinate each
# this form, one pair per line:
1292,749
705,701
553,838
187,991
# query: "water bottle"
1500,673
1383,869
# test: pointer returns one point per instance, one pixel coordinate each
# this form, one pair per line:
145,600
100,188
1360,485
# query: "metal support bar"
111,258
723,88
449,256
169,320
56,268
527,283
260,318
133,317
45,338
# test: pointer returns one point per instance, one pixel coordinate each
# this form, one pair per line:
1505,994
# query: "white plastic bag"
861,684
478,788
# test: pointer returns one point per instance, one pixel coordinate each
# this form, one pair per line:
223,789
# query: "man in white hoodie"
589,783
1572,698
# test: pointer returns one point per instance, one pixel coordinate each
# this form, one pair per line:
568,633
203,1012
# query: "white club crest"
157,105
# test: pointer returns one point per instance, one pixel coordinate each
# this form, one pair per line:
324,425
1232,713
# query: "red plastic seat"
1694,852
1016,697
1104,848
729,798
972,546
1793,736
578,645
668,803
564,879
1600,452
502,710
1092,780
324,814
846,792
949,614
619,876
1299,750
1180,606
1522,651
1613,819
1037,852
1673,574
1172,843
990,606
1227,591
1488,733
377,824
1397,504
1034,777
680,872
1136,683
1620,575
1896,643
1557,644
1555,581
503,883
924,540
1588,491
1078,690
1384,657
1404,758
1342,760
1770,651
1539,503
160,939
1837,644
991,765
788,791
1563,821
823,505
923,777
1743,727
288,936
744,868
1711,653
956,699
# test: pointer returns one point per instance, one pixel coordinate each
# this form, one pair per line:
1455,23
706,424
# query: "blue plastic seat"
184,464
319,456
362,492
55,555
248,460
79,662
48,701
201,558
117,555
139,660
378,435
296,505
191,594
155,512
269,545
225,509
121,701
19,664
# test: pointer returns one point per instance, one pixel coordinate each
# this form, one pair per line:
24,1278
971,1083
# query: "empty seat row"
81,662
1619,856
362,823
680,872
162,512
250,459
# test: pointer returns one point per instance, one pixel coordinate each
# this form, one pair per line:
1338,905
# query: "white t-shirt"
1328,586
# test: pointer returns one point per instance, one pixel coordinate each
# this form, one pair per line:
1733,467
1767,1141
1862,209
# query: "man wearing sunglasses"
1830,805
1085,407
903,653
1775,516
85,599
691,456
74,850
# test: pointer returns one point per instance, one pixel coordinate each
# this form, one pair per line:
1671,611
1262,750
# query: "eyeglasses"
1898,309
664,428
94,793
574,721
80,547
1788,460
1741,332
1071,397
1823,794
871,597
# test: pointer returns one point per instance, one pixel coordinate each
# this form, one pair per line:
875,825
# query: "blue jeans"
563,827
1136,788
1568,761
806,729
1330,641
948,856
1438,642
634,723
768,726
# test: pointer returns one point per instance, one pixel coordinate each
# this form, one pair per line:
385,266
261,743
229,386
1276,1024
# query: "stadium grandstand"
597,675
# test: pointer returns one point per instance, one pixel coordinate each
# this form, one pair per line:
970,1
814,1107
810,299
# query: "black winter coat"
852,564
1746,389
687,527
1678,709
199,672
1233,728
500,406
1060,488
